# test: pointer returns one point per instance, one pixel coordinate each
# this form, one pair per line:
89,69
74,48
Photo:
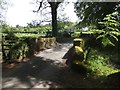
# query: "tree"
1,7
1,10
54,5
93,12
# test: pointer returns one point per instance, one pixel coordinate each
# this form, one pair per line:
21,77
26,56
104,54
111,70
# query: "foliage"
64,25
24,47
64,28
92,12
27,31
3,8
76,34
99,63
110,25
18,51
20,42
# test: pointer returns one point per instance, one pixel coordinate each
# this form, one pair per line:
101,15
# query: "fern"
101,36
106,41
110,29
114,37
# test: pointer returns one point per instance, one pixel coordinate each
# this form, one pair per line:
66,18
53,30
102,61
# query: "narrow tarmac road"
46,70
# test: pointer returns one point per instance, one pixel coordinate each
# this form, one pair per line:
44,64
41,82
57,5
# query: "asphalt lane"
46,70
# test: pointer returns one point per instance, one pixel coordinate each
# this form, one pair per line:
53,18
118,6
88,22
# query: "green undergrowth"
100,64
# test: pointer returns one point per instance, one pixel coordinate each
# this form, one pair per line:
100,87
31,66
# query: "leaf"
114,36
101,36
115,13
100,22
110,42
111,20
106,18
110,25
117,29
106,41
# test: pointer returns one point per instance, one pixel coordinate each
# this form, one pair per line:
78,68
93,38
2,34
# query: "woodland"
94,55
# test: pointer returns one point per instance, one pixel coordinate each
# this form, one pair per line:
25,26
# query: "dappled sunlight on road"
32,73
46,70
56,53
47,84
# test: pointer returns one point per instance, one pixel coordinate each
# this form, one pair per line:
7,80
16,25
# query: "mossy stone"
78,54
78,50
78,42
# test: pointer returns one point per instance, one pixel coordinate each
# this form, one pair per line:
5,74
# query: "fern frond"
106,41
114,36
101,36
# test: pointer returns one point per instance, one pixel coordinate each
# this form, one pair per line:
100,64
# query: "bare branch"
45,7
40,5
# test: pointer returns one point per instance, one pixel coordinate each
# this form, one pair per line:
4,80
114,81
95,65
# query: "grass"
98,68
99,63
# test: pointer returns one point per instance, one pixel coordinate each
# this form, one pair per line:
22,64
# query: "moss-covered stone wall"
20,50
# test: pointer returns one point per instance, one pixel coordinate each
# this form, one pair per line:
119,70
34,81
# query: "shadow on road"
37,69
45,73
40,72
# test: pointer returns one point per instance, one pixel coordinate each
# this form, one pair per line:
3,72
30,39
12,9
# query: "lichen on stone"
79,42
78,50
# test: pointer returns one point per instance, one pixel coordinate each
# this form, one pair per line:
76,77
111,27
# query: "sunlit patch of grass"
99,63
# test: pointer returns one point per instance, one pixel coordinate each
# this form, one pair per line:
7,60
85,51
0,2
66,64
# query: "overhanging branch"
40,5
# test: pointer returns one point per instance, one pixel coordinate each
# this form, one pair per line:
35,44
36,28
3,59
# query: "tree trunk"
54,6
54,19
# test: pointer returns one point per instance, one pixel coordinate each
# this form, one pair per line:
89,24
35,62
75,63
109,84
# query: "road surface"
47,70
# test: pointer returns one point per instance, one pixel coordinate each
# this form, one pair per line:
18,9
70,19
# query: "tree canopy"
4,4
1,9
53,5
93,12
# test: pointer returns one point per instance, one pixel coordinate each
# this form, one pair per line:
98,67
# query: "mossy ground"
99,66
